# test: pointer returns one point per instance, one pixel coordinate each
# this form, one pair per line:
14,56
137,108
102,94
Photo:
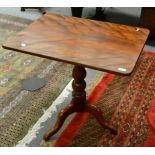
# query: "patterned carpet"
20,109
127,103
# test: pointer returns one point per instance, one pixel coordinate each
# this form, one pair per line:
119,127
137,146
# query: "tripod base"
97,113
78,104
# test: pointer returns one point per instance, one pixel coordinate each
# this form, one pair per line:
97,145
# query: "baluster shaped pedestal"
78,103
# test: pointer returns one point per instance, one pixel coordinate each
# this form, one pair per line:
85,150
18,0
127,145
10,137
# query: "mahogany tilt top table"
84,43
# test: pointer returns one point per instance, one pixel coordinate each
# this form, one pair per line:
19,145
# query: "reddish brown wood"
79,85
99,45
85,43
78,104
97,113
60,120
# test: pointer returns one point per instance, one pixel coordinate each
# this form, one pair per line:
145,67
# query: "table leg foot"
78,104
61,118
97,113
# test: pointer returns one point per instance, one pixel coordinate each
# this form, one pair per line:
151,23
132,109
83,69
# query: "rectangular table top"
99,45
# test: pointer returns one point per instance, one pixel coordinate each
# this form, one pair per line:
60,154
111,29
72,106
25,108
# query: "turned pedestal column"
78,103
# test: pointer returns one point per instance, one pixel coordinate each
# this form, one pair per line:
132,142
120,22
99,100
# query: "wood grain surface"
99,45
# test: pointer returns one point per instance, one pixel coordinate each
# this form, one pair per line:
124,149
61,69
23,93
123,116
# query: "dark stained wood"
78,104
60,120
84,43
99,45
79,85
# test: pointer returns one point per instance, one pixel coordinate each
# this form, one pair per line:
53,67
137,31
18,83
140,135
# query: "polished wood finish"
82,42
147,19
78,104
